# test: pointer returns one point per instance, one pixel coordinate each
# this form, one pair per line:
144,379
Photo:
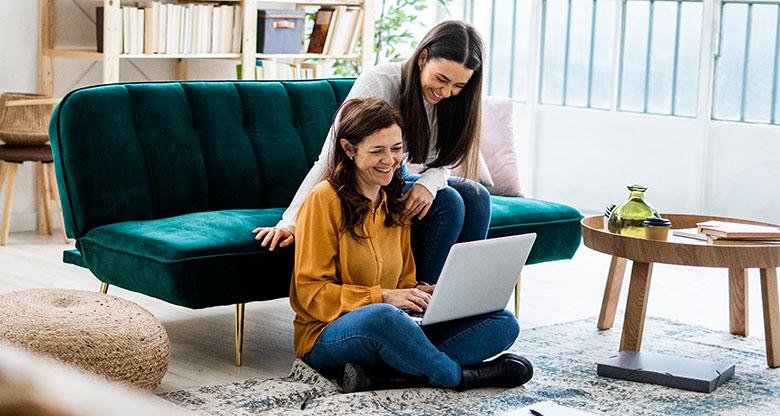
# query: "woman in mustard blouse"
354,275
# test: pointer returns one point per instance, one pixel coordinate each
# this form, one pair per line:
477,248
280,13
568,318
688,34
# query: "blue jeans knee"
477,209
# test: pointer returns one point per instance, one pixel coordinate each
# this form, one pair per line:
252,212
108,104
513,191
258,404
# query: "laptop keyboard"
417,317
414,314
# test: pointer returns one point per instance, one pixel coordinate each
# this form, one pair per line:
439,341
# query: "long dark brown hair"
459,116
358,119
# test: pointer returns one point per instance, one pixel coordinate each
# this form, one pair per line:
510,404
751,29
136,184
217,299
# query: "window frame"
718,35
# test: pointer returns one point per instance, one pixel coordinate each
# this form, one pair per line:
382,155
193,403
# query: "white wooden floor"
202,341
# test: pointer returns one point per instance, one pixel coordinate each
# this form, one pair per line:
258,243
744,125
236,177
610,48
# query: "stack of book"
731,233
271,69
336,31
165,28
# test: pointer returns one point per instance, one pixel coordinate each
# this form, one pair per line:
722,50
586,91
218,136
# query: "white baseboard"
28,221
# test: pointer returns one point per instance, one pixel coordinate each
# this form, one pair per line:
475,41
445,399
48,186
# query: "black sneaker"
354,379
508,370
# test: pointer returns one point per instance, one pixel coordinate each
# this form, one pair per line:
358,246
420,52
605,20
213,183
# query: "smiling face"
376,159
441,78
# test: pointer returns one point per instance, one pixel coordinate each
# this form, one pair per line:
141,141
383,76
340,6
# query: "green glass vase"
627,218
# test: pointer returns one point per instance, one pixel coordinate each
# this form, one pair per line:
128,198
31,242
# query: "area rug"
564,357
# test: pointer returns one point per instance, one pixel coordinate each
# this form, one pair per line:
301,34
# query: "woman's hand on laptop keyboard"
411,299
426,288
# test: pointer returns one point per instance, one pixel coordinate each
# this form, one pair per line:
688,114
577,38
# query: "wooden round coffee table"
687,252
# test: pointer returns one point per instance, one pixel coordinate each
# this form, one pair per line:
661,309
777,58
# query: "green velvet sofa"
161,184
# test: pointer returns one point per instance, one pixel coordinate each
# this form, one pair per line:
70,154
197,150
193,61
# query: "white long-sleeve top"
382,81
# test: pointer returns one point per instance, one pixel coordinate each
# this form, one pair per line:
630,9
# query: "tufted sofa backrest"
142,151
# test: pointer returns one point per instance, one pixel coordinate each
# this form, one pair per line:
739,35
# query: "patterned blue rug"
564,358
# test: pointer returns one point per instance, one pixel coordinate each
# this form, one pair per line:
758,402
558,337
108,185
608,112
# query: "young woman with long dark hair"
354,275
438,93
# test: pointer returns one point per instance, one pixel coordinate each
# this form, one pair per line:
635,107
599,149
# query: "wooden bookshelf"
307,56
75,54
112,40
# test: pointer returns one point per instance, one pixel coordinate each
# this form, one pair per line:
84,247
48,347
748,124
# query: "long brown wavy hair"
459,117
358,119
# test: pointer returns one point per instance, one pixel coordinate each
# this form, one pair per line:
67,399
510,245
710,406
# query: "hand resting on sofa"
273,235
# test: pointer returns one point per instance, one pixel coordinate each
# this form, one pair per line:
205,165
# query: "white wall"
742,171
586,158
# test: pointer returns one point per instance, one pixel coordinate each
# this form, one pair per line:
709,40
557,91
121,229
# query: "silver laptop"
478,277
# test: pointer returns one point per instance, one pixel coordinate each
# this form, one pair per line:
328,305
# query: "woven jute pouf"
100,333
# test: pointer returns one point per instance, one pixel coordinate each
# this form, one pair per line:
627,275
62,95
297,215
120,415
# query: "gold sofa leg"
239,332
517,295
103,288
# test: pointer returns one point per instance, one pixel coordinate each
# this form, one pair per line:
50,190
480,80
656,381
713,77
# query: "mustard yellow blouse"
335,273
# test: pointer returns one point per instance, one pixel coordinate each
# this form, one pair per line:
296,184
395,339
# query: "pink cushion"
484,172
499,169
498,146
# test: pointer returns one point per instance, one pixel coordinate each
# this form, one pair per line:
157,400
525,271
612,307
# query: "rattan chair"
24,129
24,124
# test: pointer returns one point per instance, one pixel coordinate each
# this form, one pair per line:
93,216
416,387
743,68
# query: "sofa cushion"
193,260
74,257
557,226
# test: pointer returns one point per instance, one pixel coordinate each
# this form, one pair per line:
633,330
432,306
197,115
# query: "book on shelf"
99,28
336,30
323,28
133,19
320,31
344,27
172,29
199,19
238,22
259,71
276,70
185,35
738,231
154,27
148,30
140,28
162,24
357,33
126,25
216,23
225,29
334,22
310,70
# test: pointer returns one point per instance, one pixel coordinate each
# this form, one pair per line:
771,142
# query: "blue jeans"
381,334
460,212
